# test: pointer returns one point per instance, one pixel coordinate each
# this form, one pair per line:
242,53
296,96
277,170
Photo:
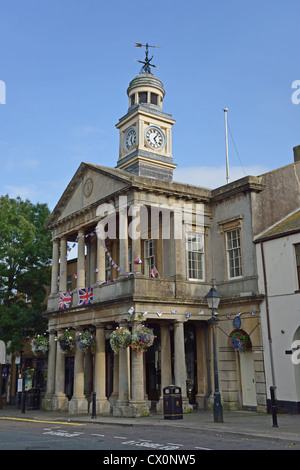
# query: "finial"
147,62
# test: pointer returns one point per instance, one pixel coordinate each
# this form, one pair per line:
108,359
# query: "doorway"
249,401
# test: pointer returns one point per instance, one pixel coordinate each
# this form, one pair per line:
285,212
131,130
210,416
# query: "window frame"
148,257
230,250
201,242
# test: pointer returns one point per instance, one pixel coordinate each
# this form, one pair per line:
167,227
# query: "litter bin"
33,399
172,402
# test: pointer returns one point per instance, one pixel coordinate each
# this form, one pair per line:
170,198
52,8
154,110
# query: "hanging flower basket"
120,339
40,345
66,342
86,342
142,339
240,341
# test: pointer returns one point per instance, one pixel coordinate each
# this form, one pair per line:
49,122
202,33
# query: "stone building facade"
186,237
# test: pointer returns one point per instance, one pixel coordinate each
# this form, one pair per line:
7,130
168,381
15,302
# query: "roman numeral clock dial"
129,139
155,137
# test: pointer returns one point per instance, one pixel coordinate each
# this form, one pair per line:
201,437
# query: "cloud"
214,177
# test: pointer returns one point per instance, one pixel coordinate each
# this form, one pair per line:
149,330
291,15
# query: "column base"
78,405
121,408
102,406
113,400
186,407
132,409
47,403
139,409
60,403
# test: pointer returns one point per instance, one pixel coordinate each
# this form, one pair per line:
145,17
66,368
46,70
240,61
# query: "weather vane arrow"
147,63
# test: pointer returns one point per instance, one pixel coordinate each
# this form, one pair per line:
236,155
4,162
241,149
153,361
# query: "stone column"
100,263
60,400
179,246
81,260
138,406
123,234
47,401
78,403
135,234
202,372
55,266
63,265
114,396
121,406
166,368
88,374
179,364
102,404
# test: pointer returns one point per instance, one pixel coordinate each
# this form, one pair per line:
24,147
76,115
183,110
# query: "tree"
25,258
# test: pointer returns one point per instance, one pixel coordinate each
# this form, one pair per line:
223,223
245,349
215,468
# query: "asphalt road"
18,434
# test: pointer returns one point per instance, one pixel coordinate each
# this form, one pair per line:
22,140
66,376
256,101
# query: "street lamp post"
213,300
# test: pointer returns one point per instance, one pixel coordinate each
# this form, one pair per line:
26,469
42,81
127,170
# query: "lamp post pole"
213,299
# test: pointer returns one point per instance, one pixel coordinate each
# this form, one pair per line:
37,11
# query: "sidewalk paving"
236,423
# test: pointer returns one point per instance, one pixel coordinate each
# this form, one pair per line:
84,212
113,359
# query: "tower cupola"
145,145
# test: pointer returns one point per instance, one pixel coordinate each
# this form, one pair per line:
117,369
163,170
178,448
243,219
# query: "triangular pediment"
90,184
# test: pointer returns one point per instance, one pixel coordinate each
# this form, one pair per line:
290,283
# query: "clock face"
155,137
130,139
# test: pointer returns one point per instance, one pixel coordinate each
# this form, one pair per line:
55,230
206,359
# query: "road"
26,434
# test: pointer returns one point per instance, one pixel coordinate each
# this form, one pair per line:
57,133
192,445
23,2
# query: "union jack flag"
65,300
85,296
154,272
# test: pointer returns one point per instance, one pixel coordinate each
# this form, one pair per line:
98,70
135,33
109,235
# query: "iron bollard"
273,407
94,406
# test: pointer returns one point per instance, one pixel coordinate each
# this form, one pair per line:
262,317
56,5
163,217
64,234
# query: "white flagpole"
226,145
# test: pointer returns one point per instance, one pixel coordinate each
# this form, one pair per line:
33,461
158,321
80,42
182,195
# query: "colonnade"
129,387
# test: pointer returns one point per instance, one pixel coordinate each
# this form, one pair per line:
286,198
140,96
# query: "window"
143,97
233,248
69,283
107,269
297,250
132,100
195,255
149,258
154,98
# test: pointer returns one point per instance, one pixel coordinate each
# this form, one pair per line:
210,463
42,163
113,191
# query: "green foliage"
25,258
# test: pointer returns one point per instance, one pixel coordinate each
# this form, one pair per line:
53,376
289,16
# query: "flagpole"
226,145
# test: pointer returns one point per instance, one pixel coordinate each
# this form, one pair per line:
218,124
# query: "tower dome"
147,89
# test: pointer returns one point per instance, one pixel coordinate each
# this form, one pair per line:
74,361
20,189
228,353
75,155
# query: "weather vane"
147,62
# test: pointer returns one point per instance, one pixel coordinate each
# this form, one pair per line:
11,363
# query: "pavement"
245,424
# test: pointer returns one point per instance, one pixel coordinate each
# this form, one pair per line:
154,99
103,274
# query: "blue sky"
66,65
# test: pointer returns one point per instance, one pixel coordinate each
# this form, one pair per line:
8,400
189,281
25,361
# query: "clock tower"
146,131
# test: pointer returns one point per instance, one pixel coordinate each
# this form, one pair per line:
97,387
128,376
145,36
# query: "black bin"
172,402
33,399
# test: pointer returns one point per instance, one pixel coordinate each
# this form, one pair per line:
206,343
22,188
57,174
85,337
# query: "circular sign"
237,322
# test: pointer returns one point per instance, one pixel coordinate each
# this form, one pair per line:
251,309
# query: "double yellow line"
40,421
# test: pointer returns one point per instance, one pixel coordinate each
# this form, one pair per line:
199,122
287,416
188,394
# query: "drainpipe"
268,313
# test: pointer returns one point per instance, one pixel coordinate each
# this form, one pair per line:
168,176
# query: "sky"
65,66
